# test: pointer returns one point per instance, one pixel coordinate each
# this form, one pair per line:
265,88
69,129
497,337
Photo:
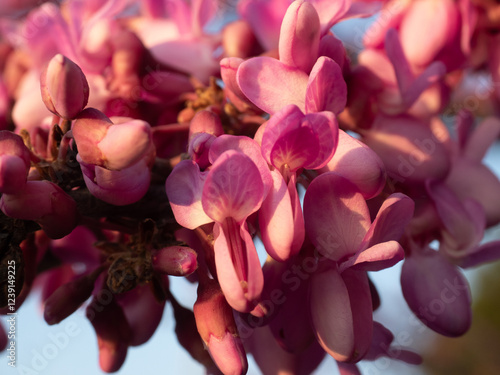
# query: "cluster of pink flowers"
146,139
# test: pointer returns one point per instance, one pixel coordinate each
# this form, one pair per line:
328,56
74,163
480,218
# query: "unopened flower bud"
217,328
64,88
113,333
108,145
14,163
43,202
68,298
205,122
175,260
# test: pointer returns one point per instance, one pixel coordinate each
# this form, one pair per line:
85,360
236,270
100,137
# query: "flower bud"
113,333
217,328
111,146
64,88
14,163
43,202
68,298
175,261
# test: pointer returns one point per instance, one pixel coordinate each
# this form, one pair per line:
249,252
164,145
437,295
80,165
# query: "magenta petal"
276,220
376,258
391,221
296,149
464,223
336,216
486,253
398,60
143,313
241,283
233,188
482,138
325,126
298,217
431,75
330,12
347,298
228,70
326,88
120,188
270,84
368,176
437,292
299,36
247,146
184,189
439,17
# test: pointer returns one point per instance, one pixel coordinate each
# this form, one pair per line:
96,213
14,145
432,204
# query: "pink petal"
378,257
391,221
463,223
440,17
398,60
481,185
347,298
348,368
481,139
368,176
299,36
247,146
202,12
241,283
408,148
233,188
228,70
270,84
265,17
336,216
276,220
437,292
184,187
330,12
326,129
434,73
298,217
326,88
120,188
333,48
124,144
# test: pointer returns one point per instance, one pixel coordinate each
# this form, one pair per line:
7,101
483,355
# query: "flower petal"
368,176
233,188
299,36
184,187
378,257
336,216
326,88
437,292
270,84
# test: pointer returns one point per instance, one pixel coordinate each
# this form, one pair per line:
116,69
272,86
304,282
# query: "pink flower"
338,224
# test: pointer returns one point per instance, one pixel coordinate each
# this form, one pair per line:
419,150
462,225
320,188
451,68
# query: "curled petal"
481,139
120,188
378,257
238,267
